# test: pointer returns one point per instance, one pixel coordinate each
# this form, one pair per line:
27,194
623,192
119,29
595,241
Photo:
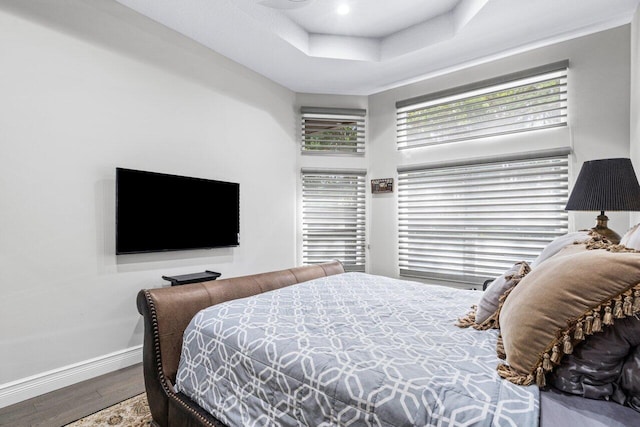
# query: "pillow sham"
559,243
630,380
569,296
604,366
631,238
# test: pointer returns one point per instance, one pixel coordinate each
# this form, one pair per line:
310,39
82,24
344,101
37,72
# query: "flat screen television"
158,212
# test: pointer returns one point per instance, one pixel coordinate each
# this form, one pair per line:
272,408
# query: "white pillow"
631,238
559,243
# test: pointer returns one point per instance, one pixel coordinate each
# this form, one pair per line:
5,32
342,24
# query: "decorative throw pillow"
490,301
486,314
631,238
571,295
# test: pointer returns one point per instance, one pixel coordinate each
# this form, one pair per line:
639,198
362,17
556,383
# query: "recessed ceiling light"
343,9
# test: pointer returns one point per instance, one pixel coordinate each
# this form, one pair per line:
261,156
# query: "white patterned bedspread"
349,350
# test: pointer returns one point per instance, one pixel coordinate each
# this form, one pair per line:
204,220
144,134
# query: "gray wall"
90,86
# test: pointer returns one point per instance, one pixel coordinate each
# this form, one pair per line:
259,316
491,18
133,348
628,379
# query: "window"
466,223
519,102
333,218
333,130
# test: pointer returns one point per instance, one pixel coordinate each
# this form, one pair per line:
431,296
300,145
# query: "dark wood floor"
76,401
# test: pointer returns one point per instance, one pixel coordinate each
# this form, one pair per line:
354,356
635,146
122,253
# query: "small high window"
333,130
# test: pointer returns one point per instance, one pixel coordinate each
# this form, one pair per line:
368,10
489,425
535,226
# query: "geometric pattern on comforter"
349,350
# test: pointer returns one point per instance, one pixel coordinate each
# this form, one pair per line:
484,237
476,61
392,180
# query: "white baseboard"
26,388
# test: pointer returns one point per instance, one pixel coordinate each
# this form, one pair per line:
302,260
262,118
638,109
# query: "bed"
316,346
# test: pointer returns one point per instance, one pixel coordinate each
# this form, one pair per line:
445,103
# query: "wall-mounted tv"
160,212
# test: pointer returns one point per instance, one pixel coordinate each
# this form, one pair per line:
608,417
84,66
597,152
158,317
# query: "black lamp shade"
605,185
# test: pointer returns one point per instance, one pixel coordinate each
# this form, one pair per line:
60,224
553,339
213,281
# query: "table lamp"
605,185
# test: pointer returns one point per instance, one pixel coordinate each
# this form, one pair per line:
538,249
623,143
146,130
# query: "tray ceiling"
307,46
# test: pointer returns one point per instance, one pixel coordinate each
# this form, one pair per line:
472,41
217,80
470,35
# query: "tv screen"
160,212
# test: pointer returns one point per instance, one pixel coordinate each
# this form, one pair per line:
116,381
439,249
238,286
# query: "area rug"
133,412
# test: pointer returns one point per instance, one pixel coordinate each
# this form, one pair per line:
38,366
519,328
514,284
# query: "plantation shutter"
519,102
466,223
333,218
333,130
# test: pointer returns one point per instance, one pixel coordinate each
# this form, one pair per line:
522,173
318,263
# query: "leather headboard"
167,312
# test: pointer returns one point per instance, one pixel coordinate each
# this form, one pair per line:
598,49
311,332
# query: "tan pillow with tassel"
574,294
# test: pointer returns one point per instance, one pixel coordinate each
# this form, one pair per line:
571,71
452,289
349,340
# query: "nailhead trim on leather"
156,353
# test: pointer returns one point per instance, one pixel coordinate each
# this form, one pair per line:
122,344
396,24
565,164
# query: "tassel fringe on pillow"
593,321
492,322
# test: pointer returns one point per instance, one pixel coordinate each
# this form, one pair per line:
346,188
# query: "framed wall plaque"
382,185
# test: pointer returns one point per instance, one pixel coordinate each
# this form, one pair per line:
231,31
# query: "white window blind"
333,218
470,222
333,130
519,102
